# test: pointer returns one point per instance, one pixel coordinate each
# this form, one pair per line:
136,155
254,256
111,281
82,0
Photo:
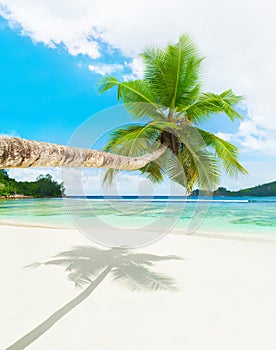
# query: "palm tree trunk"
30,337
20,153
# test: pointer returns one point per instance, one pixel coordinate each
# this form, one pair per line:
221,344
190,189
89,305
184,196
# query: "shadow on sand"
88,266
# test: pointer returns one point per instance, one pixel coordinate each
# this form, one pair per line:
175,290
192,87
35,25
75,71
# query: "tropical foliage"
44,186
265,190
169,105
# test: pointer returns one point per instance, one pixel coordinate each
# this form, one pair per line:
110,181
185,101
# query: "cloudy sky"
53,53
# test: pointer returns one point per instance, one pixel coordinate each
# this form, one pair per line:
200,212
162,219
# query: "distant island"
265,190
43,187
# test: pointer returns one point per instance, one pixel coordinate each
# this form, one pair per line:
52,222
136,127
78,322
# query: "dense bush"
44,186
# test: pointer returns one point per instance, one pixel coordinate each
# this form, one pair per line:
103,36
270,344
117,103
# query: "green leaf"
153,172
200,165
209,103
136,96
172,73
136,140
225,151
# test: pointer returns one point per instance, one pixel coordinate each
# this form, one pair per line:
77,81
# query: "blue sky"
49,88
45,93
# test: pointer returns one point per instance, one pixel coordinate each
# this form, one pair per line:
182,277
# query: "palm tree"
171,105
20,153
88,266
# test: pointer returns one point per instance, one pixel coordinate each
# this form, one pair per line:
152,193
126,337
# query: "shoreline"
16,196
225,235
22,196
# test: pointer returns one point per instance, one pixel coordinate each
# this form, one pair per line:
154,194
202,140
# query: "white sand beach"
226,297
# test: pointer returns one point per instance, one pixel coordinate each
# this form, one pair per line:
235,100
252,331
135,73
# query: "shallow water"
246,215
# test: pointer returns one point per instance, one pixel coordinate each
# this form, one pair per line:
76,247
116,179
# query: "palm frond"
132,139
107,83
135,140
201,169
200,165
225,151
189,97
137,97
153,172
210,103
172,73
187,169
166,166
109,176
170,165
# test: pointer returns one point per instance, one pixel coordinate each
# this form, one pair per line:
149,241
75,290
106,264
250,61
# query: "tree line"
44,186
265,190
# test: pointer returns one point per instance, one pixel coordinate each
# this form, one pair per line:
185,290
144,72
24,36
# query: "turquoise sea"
244,215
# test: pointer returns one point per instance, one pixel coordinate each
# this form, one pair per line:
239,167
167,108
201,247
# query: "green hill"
264,190
44,186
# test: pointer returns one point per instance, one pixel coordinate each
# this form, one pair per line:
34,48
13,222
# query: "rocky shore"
15,196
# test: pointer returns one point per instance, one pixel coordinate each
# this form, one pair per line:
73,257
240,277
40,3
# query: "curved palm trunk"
30,337
20,153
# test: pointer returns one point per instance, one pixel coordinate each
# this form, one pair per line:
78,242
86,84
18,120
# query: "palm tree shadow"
87,267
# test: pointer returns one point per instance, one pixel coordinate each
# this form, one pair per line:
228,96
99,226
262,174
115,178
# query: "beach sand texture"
226,297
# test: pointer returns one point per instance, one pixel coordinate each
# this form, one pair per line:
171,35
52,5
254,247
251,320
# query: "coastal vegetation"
43,187
264,190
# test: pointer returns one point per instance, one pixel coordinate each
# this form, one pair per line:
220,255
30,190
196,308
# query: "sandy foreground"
226,297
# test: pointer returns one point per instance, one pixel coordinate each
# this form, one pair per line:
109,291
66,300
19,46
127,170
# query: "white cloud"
30,174
136,66
55,22
137,69
225,136
235,36
104,69
252,137
248,128
11,133
82,46
90,182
